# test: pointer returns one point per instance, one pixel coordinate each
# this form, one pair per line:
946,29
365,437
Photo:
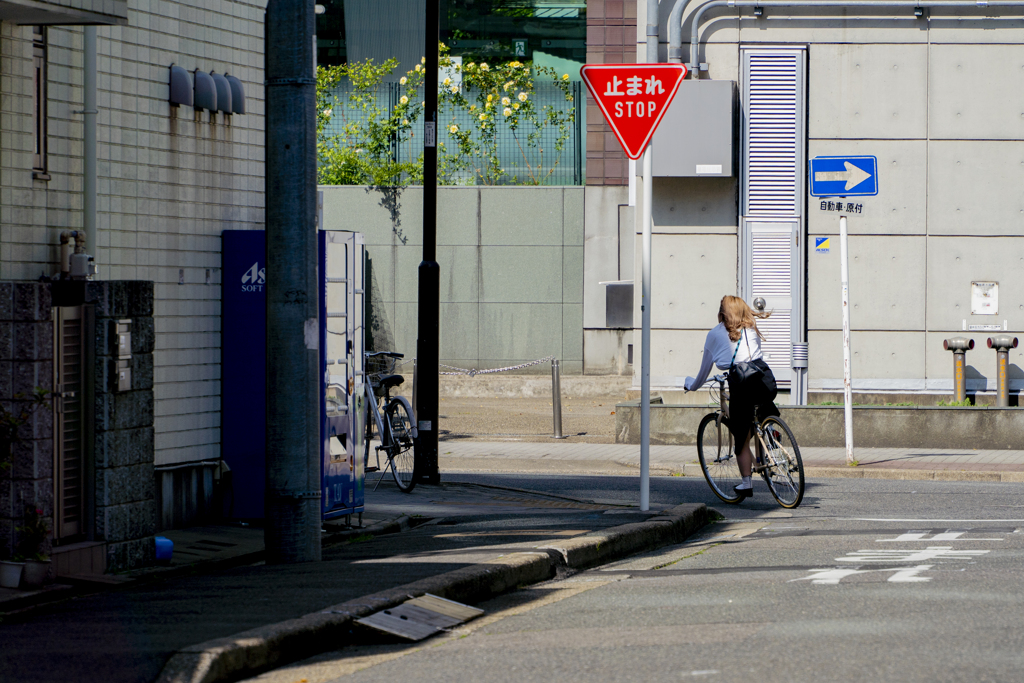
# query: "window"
39,102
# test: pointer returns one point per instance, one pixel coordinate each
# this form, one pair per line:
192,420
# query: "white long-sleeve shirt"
719,349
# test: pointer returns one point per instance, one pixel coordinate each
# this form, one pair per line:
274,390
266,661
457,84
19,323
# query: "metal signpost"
633,99
845,176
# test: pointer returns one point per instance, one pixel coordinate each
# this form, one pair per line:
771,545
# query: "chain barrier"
473,373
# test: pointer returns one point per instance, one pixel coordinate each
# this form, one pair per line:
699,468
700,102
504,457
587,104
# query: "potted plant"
10,573
32,546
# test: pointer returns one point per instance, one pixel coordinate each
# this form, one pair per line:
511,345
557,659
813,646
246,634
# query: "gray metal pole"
844,275
556,399
292,532
89,144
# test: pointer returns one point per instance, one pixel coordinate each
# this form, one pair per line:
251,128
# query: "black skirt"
760,392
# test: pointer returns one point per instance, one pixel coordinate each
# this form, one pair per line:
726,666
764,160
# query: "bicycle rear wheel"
783,467
400,450
717,458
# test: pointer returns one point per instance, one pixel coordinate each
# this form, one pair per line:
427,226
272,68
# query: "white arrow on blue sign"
844,176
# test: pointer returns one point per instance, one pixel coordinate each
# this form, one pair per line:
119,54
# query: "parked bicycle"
390,427
777,456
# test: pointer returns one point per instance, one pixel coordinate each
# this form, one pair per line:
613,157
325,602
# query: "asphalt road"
868,580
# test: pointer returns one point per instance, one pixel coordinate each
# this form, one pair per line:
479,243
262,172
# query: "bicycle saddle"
388,381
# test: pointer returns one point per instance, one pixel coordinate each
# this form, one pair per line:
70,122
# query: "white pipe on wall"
89,146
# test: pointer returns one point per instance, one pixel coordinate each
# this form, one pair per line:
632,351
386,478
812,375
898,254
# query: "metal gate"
67,406
772,231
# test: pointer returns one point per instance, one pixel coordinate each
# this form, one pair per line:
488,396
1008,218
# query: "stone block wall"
26,363
122,424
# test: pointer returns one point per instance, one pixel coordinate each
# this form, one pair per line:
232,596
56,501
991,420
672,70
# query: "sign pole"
645,341
847,381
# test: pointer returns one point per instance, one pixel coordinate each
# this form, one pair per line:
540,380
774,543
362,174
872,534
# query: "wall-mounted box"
697,138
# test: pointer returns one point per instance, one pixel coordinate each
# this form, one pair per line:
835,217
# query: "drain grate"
420,617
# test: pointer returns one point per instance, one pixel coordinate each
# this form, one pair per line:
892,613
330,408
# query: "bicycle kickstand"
383,472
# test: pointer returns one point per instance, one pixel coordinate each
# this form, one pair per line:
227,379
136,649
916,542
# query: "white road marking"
929,553
833,576
944,536
926,521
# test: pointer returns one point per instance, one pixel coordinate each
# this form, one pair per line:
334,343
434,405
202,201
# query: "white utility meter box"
697,137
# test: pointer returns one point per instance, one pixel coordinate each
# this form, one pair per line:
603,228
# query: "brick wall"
170,180
611,39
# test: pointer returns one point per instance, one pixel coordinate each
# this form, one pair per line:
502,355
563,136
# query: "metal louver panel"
69,471
773,133
776,345
772,268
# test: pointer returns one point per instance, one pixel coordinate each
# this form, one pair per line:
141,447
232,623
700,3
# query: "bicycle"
393,420
777,459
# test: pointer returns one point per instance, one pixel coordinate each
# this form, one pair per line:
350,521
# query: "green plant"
903,404
32,535
494,98
364,152
966,403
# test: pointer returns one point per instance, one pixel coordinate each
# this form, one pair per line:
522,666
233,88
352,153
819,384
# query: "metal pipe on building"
959,346
89,143
676,29
292,532
1002,343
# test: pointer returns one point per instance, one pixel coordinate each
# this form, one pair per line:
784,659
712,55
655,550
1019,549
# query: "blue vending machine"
243,360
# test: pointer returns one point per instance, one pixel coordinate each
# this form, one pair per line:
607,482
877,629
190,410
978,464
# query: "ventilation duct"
205,92
223,93
181,86
237,95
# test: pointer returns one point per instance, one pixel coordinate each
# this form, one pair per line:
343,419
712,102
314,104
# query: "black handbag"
744,371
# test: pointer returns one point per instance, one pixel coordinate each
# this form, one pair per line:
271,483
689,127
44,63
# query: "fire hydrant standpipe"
959,346
1002,343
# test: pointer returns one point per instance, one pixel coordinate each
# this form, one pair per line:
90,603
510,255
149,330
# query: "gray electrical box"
123,330
618,302
697,137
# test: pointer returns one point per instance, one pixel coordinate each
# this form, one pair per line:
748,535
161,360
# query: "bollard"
959,346
556,399
1002,343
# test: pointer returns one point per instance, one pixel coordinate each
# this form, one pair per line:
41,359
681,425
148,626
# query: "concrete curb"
863,472
248,653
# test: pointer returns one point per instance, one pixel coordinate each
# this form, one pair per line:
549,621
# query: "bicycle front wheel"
400,450
783,467
717,457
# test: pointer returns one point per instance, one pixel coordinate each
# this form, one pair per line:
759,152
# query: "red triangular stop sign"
634,98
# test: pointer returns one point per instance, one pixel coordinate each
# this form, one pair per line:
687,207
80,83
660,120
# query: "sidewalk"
219,585
582,458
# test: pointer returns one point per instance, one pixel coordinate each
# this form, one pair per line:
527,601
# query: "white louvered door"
772,196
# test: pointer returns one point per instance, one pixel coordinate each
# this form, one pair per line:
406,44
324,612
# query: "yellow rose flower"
483,117
404,100
490,97
507,112
447,82
506,101
419,68
453,129
403,80
522,97
515,105
565,77
484,66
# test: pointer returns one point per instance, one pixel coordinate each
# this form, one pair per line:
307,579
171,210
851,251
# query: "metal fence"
522,163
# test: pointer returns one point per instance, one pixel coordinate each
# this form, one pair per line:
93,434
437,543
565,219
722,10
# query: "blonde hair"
737,315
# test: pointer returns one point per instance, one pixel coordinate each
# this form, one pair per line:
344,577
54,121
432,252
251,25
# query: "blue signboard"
243,371
844,176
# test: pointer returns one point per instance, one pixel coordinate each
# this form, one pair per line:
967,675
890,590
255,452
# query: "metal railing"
523,163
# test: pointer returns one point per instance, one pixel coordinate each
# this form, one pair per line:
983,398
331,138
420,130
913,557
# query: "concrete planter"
873,426
35,574
10,573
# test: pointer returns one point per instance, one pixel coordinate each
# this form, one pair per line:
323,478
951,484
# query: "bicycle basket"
379,366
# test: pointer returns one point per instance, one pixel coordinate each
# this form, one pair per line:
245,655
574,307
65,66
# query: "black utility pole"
292,532
427,356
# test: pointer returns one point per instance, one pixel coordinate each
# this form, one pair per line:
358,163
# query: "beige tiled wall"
170,180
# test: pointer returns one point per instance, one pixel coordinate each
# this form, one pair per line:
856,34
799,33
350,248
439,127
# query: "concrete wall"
511,270
170,180
929,98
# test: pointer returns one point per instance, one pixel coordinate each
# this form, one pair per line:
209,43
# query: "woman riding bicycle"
736,339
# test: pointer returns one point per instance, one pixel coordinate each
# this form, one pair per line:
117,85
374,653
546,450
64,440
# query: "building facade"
937,253
169,179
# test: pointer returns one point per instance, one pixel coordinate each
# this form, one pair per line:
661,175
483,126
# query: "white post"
847,381
645,341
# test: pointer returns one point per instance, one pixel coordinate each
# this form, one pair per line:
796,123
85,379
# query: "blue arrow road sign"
844,176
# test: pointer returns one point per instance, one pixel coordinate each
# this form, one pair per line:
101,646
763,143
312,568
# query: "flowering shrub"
363,153
500,96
